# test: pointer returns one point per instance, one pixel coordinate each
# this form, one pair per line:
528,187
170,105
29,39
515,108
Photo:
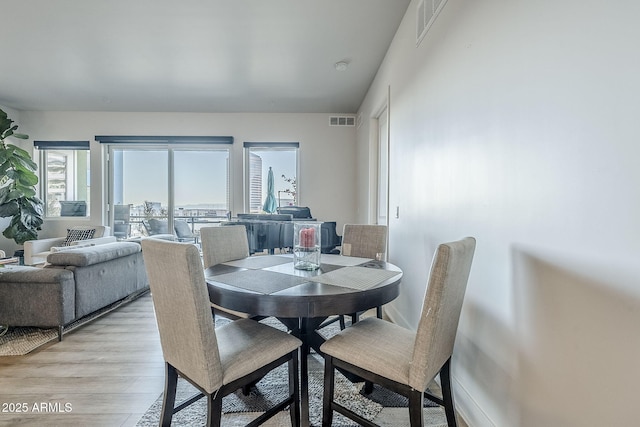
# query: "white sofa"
36,251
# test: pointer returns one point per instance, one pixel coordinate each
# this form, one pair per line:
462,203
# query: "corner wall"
516,123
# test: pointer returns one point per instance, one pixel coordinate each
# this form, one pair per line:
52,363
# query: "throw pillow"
75,234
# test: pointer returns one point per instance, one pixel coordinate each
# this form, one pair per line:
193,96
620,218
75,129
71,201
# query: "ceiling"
193,55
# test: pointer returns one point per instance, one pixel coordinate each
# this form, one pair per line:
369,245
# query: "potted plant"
18,180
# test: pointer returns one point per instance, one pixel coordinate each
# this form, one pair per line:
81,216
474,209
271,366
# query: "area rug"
270,390
273,388
18,341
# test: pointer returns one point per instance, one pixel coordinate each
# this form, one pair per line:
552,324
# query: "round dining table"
269,285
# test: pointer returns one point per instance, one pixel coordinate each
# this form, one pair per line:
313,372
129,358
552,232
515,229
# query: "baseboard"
468,409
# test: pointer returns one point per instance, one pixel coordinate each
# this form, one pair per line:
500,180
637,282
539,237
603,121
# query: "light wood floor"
106,373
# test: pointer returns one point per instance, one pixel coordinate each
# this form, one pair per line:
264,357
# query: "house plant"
18,181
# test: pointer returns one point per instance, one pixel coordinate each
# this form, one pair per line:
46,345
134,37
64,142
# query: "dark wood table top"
270,286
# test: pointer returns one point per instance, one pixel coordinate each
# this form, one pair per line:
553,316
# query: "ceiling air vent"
342,121
426,13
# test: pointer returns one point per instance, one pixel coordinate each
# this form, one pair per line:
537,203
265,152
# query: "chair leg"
447,394
169,399
379,312
354,318
246,389
342,325
415,408
214,410
327,399
294,389
368,387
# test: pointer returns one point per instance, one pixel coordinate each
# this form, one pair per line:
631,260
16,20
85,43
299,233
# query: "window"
154,184
282,158
64,182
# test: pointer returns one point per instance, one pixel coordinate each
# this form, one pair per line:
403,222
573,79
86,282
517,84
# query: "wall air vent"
426,13
342,121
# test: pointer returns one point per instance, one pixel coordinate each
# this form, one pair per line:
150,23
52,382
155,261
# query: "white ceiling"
193,55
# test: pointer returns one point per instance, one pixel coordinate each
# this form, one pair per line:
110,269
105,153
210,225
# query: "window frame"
268,146
44,148
170,145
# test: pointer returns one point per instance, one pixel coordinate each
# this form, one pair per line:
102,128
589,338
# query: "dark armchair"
297,212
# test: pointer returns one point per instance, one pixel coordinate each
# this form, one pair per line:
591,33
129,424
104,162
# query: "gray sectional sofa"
75,283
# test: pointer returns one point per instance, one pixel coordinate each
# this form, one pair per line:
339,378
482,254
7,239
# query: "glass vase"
306,245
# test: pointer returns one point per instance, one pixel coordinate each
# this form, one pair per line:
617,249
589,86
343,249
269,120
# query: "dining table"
270,286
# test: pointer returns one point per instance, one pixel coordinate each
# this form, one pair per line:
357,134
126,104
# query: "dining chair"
224,244
402,360
216,361
365,241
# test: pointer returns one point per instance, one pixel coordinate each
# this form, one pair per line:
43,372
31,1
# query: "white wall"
517,123
327,154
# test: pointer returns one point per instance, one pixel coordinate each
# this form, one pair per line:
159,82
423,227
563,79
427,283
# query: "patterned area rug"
18,341
274,387
271,389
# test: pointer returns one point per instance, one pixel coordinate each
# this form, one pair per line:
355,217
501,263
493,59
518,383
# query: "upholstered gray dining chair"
217,361
365,241
224,244
402,360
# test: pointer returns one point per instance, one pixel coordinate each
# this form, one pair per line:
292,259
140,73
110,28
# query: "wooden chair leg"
447,394
214,410
368,387
415,409
294,389
354,318
329,375
246,390
169,398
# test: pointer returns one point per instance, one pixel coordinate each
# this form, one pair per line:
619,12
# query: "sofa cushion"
81,257
25,274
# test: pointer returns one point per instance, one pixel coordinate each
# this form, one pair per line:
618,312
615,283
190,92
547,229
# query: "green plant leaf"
19,152
7,133
18,178
4,195
9,209
30,220
28,179
27,191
